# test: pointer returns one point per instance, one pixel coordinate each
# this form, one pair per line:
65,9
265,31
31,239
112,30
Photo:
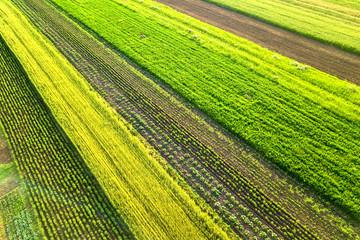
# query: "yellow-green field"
129,120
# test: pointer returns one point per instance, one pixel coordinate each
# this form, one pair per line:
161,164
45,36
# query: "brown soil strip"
324,57
5,155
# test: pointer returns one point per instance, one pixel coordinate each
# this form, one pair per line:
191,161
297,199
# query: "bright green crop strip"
150,201
306,121
335,23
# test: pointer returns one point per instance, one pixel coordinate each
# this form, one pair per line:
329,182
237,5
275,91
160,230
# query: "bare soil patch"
319,55
5,154
9,184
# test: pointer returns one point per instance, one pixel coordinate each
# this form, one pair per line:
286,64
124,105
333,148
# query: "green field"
330,21
151,203
302,119
130,120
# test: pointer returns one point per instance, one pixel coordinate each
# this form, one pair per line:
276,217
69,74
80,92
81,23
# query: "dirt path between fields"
324,57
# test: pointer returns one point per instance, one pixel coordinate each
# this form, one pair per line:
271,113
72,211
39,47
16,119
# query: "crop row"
69,43
287,111
208,186
62,189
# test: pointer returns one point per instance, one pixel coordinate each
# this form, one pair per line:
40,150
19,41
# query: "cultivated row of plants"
304,120
220,197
